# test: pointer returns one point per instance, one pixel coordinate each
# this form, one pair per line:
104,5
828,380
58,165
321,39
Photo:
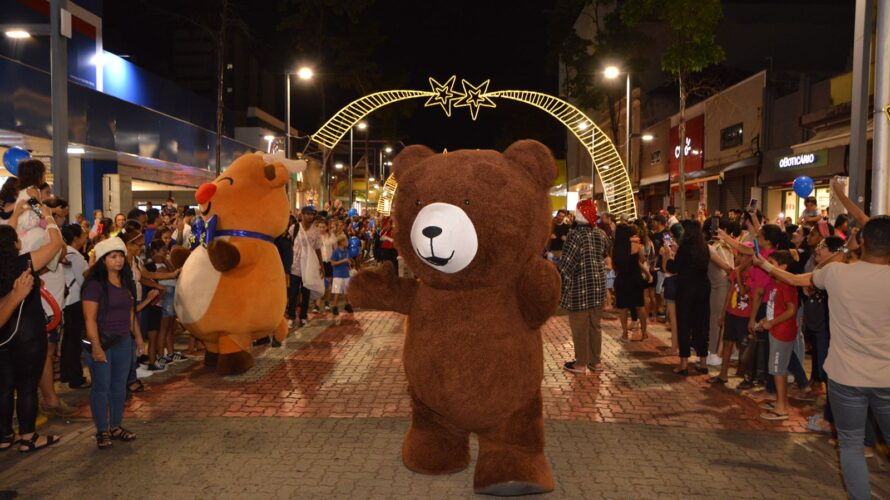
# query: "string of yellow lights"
617,187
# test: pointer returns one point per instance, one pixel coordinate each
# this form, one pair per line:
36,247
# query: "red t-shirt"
740,303
779,295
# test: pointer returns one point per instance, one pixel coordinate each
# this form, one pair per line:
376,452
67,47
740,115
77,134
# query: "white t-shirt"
54,282
327,247
74,275
859,316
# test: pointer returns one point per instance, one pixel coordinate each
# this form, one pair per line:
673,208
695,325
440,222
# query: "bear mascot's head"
248,196
463,219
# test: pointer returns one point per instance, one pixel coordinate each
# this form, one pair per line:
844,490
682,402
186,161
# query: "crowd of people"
100,294
739,286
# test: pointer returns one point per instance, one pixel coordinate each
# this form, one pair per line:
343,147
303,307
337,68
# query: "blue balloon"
12,157
803,186
355,247
353,212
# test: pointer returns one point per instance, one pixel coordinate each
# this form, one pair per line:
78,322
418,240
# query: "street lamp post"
305,73
612,72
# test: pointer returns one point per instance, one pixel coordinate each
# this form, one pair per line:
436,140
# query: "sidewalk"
635,430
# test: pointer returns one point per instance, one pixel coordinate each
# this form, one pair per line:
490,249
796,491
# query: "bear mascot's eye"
466,202
418,203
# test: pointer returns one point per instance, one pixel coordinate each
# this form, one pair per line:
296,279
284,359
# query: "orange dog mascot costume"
232,289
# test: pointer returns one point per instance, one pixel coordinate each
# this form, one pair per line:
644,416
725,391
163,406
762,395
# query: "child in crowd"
340,264
157,254
735,314
781,322
168,313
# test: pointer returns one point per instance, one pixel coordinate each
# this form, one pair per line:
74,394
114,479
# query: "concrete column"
880,191
859,118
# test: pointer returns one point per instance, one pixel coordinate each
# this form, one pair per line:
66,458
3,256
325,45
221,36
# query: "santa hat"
585,212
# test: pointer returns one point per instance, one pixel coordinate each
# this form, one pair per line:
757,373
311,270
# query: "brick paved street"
324,417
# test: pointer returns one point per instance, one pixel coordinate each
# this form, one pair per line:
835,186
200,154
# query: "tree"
693,25
583,58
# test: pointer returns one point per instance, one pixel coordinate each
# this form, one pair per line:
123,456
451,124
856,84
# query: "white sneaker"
143,373
714,360
290,324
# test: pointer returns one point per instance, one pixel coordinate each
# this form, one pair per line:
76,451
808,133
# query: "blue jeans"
850,406
821,340
109,391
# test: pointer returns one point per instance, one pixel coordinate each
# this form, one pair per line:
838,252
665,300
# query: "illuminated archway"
616,182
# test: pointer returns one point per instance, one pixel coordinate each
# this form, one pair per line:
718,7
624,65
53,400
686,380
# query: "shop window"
731,136
655,157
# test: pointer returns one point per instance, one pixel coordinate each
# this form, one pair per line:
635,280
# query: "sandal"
32,446
702,370
717,380
103,440
9,441
774,415
122,434
684,372
139,386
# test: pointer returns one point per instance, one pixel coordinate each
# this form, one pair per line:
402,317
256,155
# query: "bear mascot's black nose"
432,231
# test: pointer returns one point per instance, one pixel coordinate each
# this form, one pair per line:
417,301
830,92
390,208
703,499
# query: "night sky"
506,42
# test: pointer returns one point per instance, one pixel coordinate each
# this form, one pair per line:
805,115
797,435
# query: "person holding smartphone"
23,341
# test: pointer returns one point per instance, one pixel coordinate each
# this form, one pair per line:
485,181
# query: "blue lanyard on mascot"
204,233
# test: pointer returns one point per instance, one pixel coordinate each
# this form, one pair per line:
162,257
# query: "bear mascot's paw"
223,255
367,287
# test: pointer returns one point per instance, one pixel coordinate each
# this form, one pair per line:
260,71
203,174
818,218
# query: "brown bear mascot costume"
472,226
232,290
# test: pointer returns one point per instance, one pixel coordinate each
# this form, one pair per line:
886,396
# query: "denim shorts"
168,303
659,282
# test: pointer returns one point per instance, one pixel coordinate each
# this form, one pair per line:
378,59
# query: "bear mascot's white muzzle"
444,237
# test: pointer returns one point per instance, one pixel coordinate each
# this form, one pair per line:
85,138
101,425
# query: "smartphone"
756,247
35,206
752,207
667,239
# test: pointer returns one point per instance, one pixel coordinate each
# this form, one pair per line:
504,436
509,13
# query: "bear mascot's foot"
511,456
234,363
432,446
211,359
234,357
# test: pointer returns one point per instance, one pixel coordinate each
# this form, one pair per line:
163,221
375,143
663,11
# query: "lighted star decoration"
444,95
475,97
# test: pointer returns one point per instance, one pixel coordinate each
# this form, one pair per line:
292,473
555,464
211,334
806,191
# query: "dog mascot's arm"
382,289
538,290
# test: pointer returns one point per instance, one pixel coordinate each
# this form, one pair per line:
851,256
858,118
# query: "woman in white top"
327,248
75,266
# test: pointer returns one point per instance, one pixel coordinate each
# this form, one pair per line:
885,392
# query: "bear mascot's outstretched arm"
538,291
382,289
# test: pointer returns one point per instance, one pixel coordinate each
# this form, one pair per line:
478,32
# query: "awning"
747,162
830,137
654,179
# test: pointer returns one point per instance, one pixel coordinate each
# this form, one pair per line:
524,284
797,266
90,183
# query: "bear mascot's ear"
536,159
275,174
409,157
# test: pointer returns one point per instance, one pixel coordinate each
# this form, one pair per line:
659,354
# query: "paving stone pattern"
225,458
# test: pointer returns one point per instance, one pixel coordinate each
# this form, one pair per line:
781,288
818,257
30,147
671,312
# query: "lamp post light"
611,73
304,73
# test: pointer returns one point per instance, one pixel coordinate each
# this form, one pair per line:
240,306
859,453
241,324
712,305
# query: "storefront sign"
803,160
693,147
796,161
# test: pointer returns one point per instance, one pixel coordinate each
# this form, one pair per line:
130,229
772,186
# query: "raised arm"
852,208
792,279
43,255
382,289
538,291
734,243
